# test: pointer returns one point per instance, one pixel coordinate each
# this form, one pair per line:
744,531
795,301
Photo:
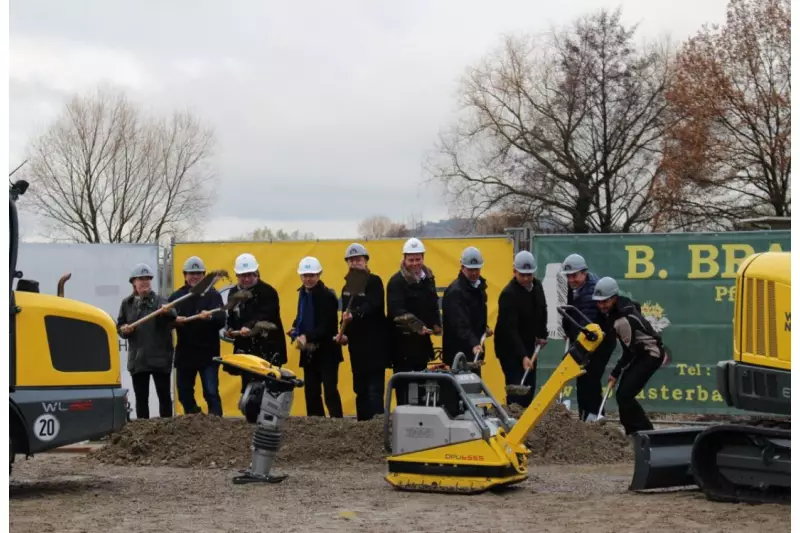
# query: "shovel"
199,289
233,301
475,364
561,400
262,327
522,389
599,416
411,323
355,283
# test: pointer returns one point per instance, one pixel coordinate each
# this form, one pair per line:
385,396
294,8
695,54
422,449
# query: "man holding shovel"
197,329
315,330
363,329
412,292
464,312
581,284
263,305
521,329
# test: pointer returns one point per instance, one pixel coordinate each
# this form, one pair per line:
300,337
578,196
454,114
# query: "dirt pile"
560,438
212,442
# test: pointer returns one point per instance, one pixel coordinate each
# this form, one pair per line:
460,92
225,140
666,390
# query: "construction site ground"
66,493
175,475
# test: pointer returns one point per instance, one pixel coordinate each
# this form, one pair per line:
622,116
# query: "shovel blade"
663,458
356,281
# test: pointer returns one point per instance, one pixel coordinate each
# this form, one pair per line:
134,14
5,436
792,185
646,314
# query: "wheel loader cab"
65,382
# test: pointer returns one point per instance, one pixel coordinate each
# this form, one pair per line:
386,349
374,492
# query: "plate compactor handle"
562,310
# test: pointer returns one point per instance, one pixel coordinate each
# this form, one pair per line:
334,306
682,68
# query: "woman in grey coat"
150,348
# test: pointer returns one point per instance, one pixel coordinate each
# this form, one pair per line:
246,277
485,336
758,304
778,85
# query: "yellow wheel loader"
65,383
748,462
452,435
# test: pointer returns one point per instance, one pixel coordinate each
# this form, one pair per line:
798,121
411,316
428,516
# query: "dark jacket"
150,344
521,320
635,333
367,332
198,340
581,298
322,330
464,315
264,305
406,293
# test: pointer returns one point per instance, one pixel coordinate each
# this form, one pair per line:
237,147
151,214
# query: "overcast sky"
332,103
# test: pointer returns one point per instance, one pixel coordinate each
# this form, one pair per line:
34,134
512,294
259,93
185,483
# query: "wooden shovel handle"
159,311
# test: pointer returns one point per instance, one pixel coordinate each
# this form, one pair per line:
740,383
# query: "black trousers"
633,380
590,385
368,386
513,372
319,374
141,388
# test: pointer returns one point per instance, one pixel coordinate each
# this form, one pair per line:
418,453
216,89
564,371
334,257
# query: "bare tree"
266,234
728,155
105,172
566,127
380,227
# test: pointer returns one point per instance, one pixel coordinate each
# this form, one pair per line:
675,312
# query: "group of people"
374,339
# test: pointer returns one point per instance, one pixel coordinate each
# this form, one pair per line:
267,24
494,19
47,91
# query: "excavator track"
744,462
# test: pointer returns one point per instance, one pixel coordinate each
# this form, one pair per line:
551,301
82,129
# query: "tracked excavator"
450,434
64,372
748,461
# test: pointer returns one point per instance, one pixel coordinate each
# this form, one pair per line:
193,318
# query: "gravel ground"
70,493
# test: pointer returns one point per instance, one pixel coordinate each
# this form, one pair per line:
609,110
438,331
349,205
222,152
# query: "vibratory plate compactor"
451,435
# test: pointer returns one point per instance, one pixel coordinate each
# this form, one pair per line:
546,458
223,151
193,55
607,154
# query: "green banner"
685,283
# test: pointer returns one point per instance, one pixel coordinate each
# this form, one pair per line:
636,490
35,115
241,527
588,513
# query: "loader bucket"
663,458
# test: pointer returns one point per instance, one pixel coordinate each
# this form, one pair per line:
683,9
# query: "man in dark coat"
314,330
643,352
264,305
198,341
581,284
150,348
521,326
365,335
412,290
464,311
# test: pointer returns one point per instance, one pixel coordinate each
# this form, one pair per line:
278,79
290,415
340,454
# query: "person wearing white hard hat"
263,305
581,283
412,290
198,341
521,326
314,330
365,336
643,352
464,311
150,349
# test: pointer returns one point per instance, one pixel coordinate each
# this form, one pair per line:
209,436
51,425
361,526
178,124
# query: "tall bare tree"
106,172
729,154
565,127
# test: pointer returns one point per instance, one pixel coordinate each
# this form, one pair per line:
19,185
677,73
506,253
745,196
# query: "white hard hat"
472,258
141,271
356,250
524,263
245,263
574,263
194,264
604,289
413,246
309,265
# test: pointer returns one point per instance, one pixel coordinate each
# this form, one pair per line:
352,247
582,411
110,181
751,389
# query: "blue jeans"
209,379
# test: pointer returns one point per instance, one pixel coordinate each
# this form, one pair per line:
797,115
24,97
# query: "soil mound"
213,442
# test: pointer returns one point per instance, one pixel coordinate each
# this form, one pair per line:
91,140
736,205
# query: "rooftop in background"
765,223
